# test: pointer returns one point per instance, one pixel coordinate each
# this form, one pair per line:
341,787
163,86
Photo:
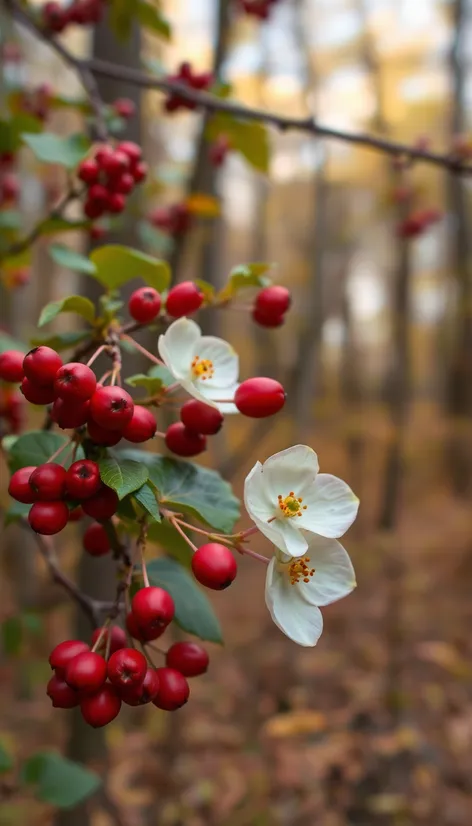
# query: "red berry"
140,172
127,667
54,17
61,694
188,657
184,442
41,365
101,708
273,301
111,408
144,692
124,107
141,427
98,195
89,171
118,638
124,184
83,479
115,163
64,653
48,518
102,505
69,414
201,418
132,150
95,540
102,436
37,393
86,672
49,482
143,635
173,689
267,320
20,488
116,202
144,305
214,566
76,515
11,366
75,382
153,609
184,299
259,397
93,209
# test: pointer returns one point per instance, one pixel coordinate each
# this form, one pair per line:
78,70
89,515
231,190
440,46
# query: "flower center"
202,368
291,505
299,570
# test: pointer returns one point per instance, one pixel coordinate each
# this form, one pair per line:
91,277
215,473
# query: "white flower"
296,587
286,496
205,366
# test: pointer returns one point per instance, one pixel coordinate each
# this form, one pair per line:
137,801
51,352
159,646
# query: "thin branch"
55,212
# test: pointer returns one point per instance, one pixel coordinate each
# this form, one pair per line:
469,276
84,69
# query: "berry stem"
142,350
96,354
173,521
250,552
58,451
141,548
105,376
101,635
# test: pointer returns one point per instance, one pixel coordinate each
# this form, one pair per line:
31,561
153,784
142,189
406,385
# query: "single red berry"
86,672
143,693
20,488
49,482
214,566
95,540
101,708
184,442
273,301
62,654
144,305
93,209
117,641
83,479
124,184
153,608
75,382
61,694
48,518
102,436
116,202
54,17
37,393
187,657
127,667
76,514
184,299
259,397
201,418
41,365
98,195
140,172
141,427
89,171
115,163
267,320
124,108
143,635
11,366
132,150
70,414
111,407
173,689
102,505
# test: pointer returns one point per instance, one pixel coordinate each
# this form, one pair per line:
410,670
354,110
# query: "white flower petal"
295,617
195,390
292,469
257,500
334,576
177,347
225,361
331,506
216,393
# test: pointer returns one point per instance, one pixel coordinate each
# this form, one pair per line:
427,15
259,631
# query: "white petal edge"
294,469
334,576
295,617
331,507
225,361
177,346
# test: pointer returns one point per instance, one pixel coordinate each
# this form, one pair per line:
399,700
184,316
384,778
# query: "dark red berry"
70,414
101,708
98,195
86,672
95,540
102,436
115,163
48,518
267,320
140,172
76,515
102,505
127,667
201,418
62,654
83,479
124,107
184,299
144,305
153,609
54,17
273,301
20,488
75,382
48,482
89,171
143,693
143,635
94,209
259,397
111,408
141,427
116,202
117,641
41,364
124,184
132,150
11,366
61,694
37,393
214,566
184,442
173,689
187,657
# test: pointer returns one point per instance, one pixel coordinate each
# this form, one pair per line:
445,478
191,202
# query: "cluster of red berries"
258,8
187,77
418,222
271,305
182,300
197,421
175,220
110,176
11,409
56,18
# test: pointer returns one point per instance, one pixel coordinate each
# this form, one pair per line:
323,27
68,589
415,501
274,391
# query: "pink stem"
58,451
177,527
142,350
252,553
96,354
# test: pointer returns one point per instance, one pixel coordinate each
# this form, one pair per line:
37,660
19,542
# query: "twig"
55,212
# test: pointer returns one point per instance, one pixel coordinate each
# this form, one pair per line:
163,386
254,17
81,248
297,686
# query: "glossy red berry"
98,195
61,694
184,442
83,479
48,518
267,320
140,172
20,488
214,566
95,540
69,414
124,184
86,672
143,635
48,482
102,436
124,108
184,299
259,397
41,364
117,641
273,301
75,382
144,305
142,426
76,514
89,171
62,654
111,407
94,209
187,657
173,689
115,163
127,667
201,418
153,609
116,202
132,150
101,708
11,366
102,505
143,693
37,393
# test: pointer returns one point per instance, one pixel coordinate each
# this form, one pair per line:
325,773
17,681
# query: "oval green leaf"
122,475
73,304
116,265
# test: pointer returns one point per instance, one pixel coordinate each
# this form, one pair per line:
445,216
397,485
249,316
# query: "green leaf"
150,17
12,635
54,225
15,513
249,138
156,378
246,275
116,265
207,289
121,15
9,343
154,239
10,130
122,475
73,304
51,148
71,259
59,781
62,341
171,542
10,219
34,448
193,612
146,496
6,760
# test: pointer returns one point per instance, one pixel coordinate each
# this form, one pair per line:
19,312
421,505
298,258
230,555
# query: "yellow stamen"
298,570
291,505
202,368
